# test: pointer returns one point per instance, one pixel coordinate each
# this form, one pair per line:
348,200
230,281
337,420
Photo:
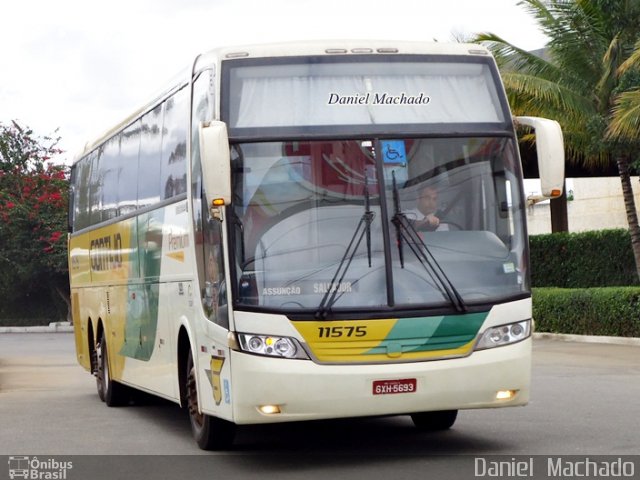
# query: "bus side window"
174,146
127,186
108,180
150,158
95,194
81,206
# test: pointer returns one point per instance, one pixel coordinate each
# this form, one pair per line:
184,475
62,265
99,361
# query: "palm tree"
586,80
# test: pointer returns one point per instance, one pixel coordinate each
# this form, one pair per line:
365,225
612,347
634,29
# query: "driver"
424,216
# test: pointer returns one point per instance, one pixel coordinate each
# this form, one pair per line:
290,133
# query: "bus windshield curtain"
274,101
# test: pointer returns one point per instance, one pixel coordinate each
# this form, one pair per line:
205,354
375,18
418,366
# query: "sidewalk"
563,337
66,327
54,327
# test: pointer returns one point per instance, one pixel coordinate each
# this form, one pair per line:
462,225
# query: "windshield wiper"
406,232
363,228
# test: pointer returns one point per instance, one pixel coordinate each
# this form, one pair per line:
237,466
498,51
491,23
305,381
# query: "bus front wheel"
434,421
210,432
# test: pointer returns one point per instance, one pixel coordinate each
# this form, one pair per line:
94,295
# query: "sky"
79,67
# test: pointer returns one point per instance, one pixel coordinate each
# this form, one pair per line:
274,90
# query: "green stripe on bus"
426,334
143,300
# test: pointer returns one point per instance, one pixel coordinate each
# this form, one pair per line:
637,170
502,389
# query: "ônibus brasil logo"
35,469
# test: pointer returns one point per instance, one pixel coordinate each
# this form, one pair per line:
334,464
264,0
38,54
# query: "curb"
563,337
53,327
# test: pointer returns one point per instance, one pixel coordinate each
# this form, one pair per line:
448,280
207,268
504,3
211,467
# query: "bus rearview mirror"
550,152
216,165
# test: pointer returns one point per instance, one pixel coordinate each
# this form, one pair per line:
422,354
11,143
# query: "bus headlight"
272,346
504,335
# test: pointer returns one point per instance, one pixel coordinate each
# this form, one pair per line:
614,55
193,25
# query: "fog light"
506,394
269,409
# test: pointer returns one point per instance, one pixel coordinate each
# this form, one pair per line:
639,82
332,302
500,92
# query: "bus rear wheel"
114,394
434,421
211,433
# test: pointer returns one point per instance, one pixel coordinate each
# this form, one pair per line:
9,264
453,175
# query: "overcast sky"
81,66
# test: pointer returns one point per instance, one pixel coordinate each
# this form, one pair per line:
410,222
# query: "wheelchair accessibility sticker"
393,152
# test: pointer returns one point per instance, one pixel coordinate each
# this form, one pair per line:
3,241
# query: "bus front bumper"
304,390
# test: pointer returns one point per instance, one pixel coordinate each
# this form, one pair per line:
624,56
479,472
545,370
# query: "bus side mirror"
216,163
550,152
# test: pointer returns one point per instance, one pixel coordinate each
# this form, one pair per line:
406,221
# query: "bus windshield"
369,223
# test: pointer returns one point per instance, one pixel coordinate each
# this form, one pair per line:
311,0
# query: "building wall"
597,205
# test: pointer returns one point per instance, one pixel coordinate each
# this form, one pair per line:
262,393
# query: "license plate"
386,387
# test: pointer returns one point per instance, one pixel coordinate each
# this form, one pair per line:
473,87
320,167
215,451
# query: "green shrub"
613,311
31,309
600,258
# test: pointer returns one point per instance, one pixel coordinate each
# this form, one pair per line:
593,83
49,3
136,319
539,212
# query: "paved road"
585,401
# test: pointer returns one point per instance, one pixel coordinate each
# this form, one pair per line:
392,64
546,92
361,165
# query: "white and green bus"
251,243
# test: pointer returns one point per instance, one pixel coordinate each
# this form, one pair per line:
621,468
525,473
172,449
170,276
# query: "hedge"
600,258
31,310
613,311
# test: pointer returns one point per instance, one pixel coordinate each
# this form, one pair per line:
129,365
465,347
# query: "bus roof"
342,47
289,49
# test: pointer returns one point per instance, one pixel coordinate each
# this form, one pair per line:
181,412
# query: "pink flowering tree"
33,220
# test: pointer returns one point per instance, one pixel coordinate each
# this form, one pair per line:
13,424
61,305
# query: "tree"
579,81
33,216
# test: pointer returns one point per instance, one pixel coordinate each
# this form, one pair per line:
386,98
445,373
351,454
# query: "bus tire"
434,421
114,394
211,433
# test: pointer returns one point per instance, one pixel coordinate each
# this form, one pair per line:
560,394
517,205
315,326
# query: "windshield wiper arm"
368,218
397,215
406,232
363,228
